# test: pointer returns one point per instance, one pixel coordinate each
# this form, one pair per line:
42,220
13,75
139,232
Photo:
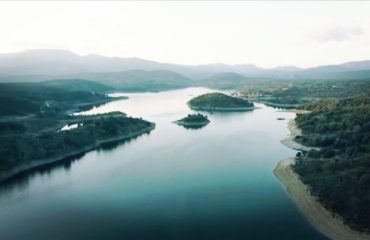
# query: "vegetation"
33,114
296,93
139,80
19,99
227,80
339,173
219,102
193,120
78,85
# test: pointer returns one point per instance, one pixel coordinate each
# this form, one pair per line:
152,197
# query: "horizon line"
180,64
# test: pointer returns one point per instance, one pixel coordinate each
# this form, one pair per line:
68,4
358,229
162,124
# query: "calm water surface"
174,183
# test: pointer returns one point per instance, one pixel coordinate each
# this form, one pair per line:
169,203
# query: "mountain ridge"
46,64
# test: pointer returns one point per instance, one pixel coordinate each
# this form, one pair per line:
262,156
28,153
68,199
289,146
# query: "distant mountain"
139,80
348,66
358,65
286,68
139,74
227,80
60,62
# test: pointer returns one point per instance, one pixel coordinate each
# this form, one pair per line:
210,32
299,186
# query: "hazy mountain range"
138,74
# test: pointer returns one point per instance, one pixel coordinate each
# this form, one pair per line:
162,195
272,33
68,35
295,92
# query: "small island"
193,121
219,102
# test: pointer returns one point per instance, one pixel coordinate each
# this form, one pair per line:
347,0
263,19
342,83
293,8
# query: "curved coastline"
221,109
191,124
323,220
289,141
27,167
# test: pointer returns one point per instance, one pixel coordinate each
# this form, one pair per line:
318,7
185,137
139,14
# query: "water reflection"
212,183
194,127
20,181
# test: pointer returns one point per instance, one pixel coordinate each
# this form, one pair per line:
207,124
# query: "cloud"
339,34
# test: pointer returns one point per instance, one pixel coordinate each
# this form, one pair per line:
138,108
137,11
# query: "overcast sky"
267,34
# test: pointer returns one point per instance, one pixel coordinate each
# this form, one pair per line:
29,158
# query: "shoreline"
221,109
33,165
191,124
289,141
319,217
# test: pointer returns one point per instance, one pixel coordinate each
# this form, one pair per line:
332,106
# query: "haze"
267,34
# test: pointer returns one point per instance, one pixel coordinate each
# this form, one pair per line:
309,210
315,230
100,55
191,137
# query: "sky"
267,34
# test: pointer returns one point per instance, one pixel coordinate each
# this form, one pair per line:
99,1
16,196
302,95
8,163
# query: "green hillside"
339,173
139,80
228,80
78,85
219,102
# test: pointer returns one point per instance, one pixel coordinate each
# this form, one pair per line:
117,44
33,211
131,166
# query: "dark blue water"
175,183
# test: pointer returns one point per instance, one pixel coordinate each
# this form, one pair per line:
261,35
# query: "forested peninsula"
37,127
334,166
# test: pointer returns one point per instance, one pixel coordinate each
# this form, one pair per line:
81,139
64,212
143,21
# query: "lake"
215,182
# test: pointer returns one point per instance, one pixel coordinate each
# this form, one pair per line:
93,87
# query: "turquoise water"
174,183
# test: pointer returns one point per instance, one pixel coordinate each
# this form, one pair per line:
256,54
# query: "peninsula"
37,126
219,102
329,174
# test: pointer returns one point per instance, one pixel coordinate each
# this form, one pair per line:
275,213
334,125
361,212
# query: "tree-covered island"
219,102
193,120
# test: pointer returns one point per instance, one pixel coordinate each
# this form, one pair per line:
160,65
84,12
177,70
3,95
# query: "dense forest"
339,173
195,118
193,121
218,100
34,120
296,93
49,98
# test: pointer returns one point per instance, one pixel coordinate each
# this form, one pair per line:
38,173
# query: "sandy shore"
317,215
323,220
299,111
289,141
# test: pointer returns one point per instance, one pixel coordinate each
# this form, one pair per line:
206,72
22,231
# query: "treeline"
219,100
23,142
339,173
301,92
33,114
45,98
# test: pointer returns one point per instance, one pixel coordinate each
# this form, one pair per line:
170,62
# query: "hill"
227,80
139,80
78,85
219,102
59,63
48,98
339,173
